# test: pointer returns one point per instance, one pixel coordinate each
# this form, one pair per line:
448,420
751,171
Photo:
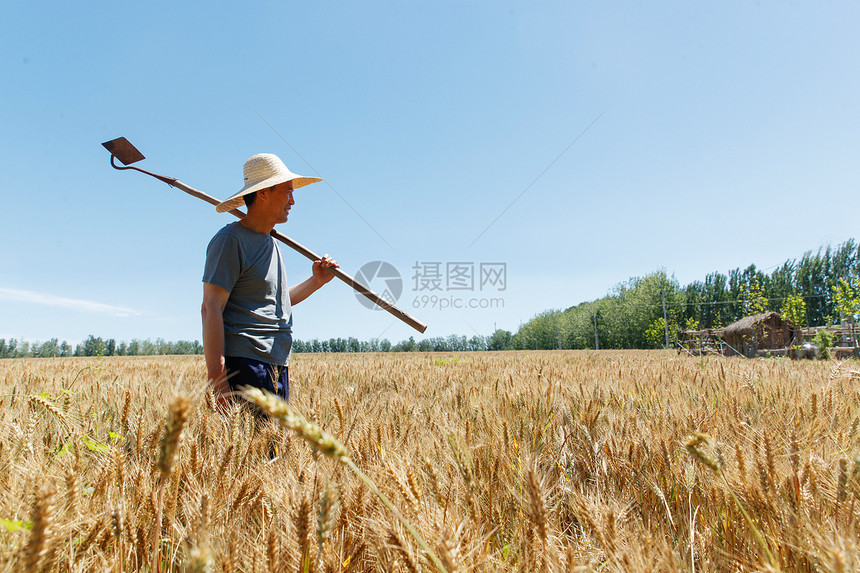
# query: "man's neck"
257,223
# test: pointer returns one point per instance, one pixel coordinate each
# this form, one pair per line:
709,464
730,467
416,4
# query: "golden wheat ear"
173,426
39,544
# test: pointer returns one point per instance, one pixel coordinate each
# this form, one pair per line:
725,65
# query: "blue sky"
725,134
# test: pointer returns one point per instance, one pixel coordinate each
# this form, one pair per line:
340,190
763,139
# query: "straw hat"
261,171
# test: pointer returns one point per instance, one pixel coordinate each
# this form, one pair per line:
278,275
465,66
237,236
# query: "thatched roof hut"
765,331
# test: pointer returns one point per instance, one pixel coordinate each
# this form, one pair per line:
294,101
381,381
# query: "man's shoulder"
230,230
233,232
242,233
223,256
226,236
236,237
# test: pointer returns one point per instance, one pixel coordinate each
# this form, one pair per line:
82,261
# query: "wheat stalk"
41,533
176,418
694,447
326,444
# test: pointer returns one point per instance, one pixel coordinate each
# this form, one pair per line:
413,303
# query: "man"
247,304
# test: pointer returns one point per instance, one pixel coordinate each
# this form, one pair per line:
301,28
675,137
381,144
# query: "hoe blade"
122,149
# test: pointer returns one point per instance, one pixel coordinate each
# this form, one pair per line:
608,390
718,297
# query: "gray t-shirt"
258,318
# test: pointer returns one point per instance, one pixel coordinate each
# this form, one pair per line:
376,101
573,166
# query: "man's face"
280,201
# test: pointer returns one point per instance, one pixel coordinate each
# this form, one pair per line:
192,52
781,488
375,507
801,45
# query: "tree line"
96,346
819,289
452,343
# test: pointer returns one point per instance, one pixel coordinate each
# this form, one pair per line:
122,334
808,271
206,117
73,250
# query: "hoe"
127,154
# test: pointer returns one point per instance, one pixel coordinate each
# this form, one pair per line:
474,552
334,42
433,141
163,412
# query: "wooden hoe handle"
306,252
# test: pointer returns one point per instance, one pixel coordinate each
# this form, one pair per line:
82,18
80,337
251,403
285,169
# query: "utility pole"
596,341
665,322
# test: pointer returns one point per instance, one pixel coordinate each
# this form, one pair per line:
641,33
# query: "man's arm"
320,275
214,301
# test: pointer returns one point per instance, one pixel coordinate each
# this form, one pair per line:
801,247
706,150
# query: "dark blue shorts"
249,372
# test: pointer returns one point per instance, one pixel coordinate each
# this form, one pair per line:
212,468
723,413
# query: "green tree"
794,309
477,343
812,280
823,340
47,349
405,345
845,299
754,300
847,303
656,333
93,346
500,340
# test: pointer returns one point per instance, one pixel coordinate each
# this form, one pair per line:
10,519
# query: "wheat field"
514,461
